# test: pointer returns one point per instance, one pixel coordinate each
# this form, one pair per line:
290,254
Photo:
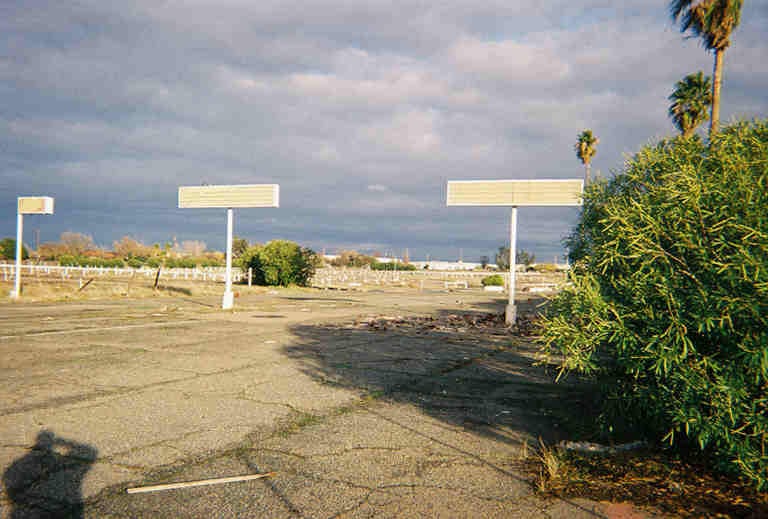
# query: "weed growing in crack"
523,453
373,395
297,421
551,468
341,411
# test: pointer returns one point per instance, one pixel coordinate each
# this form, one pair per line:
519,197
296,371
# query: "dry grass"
646,478
551,467
42,290
524,451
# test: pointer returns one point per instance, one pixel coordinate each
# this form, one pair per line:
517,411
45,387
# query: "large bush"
494,280
280,262
8,249
669,302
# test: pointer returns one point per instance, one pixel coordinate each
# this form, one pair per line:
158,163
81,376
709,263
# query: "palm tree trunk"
587,169
717,81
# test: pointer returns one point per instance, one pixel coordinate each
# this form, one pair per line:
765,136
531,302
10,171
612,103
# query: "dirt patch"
486,323
648,477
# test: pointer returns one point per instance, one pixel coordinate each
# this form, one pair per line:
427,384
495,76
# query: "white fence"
342,275
334,277
215,274
324,277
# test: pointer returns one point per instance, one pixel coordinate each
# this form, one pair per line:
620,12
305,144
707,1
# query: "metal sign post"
229,197
27,205
229,297
514,193
511,313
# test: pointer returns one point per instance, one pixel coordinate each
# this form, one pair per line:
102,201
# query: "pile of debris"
490,323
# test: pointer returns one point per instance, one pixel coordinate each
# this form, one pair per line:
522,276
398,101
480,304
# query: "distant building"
449,265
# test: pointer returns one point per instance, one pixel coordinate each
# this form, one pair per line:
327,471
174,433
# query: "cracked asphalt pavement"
356,420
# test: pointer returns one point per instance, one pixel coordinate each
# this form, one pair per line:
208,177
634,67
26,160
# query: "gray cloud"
360,110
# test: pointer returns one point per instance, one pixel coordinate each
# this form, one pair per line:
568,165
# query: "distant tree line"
350,258
522,257
77,249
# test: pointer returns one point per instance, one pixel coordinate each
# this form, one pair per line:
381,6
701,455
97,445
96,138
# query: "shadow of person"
47,481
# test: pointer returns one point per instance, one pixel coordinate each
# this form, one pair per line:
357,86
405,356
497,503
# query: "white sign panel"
551,192
225,197
35,205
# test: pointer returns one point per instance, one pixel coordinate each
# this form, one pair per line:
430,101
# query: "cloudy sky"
360,110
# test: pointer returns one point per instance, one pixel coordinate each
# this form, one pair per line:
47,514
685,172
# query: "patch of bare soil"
650,478
491,324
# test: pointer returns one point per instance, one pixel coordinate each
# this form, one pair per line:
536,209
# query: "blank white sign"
550,192
244,195
35,205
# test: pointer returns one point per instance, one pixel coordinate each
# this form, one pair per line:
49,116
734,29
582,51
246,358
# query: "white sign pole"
514,193
229,298
26,205
511,314
228,197
19,247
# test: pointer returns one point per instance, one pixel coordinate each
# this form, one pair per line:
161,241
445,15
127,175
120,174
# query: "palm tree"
585,149
713,21
690,102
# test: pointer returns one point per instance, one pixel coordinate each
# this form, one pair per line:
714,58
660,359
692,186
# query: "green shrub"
178,263
392,266
89,261
248,257
112,263
280,262
66,260
135,262
188,262
669,302
494,280
8,249
352,259
211,262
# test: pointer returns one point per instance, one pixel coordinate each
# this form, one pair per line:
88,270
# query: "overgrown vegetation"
351,258
280,262
79,250
669,301
139,262
89,261
494,280
8,249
